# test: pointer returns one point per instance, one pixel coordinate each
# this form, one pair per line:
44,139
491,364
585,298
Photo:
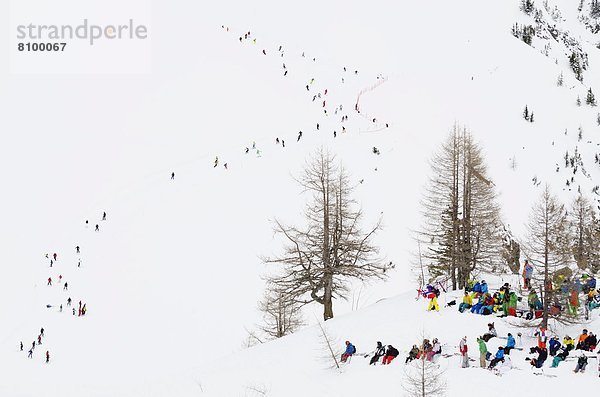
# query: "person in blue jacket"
484,287
590,284
499,357
554,345
477,287
350,350
578,287
476,307
510,344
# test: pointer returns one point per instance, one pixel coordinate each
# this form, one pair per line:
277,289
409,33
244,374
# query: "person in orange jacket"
580,342
573,302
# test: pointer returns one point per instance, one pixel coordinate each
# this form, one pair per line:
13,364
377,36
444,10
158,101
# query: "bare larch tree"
461,230
320,259
282,315
584,225
547,246
423,378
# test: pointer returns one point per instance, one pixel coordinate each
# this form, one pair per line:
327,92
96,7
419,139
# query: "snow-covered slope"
173,275
296,365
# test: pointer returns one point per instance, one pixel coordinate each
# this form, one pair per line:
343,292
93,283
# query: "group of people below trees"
479,300
566,296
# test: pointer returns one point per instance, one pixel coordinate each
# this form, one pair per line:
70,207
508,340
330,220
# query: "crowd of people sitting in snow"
387,353
478,299
499,361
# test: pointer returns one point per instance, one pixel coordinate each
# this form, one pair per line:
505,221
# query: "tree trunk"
328,277
545,287
455,222
423,379
327,299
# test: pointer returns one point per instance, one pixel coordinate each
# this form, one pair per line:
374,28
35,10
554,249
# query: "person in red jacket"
463,348
49,280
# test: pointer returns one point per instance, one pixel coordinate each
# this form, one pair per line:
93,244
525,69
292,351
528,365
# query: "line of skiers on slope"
246,36
39,343
82,306
65,285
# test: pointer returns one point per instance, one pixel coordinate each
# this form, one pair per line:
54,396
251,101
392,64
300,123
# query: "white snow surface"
173,277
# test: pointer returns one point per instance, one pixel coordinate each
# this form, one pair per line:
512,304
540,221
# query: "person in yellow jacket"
467,302
569,342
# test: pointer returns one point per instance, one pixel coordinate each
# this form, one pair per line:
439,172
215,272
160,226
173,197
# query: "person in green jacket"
482,352
505,301
512,304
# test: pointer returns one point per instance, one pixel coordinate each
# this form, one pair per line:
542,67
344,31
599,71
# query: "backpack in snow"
353,350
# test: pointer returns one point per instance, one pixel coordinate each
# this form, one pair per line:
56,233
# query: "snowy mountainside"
295,365
173,276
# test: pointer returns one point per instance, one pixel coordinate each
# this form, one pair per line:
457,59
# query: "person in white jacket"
436,349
